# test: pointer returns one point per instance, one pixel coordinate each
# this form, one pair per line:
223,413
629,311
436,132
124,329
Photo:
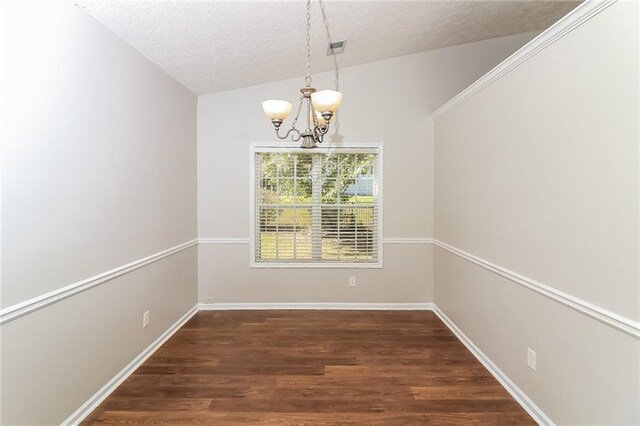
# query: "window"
318,207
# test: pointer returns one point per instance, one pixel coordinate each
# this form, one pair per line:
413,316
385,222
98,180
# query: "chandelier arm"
294,138
319,132
286,135
323,130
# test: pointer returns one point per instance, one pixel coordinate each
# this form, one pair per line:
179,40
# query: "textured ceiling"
211,46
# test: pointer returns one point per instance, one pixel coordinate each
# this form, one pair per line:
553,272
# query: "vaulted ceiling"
211,46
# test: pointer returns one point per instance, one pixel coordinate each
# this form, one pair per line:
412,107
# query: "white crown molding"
564,26
534,411
15,311
317,306
609,318
93,402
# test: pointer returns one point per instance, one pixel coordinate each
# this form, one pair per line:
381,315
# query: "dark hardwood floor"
311,367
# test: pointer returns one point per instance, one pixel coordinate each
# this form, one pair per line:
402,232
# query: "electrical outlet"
210,299
145,319
531,359
352,281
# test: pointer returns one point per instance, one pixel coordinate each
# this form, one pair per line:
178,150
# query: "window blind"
316,207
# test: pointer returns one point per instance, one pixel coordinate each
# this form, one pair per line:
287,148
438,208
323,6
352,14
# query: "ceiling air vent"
336,47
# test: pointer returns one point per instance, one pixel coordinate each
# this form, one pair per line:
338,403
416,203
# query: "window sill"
274,265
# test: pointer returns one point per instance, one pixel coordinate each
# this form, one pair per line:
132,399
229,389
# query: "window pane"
304,188
330,191
281,181
304,163
285,233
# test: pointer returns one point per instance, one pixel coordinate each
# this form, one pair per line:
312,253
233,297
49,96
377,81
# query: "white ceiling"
211,46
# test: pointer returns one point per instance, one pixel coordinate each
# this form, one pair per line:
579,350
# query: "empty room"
387,212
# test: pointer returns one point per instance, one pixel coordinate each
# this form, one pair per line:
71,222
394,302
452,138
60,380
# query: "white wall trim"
314,265
534,411
614,320
223,240
318,306
564,26
93,402
409,240
23,308
15,311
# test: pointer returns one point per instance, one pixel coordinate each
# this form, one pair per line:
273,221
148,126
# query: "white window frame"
288,147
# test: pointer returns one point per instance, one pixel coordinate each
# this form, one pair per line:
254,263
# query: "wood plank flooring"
311,367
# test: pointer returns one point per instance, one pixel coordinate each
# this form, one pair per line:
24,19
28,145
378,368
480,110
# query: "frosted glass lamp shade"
326,100
277,110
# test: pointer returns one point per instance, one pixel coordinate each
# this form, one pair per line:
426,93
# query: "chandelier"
321,106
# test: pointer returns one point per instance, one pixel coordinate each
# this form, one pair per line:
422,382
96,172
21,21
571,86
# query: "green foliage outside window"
285,184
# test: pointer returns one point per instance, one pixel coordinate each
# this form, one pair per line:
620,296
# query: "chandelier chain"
295,120
307,79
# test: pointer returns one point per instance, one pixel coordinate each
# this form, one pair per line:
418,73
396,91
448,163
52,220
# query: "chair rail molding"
609,318
612,319
223,240
15,311
402,240
408,240
598,313
564,26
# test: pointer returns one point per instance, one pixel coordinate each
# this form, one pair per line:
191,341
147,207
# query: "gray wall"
99,170
538,173
387,101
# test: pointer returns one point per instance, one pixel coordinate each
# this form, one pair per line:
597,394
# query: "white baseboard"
530,407
317,306
81,413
